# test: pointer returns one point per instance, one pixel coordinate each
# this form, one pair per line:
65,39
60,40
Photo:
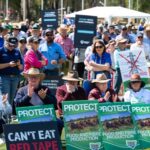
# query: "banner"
81,125
52,82
133,62
49,19
36,113
118,132
85,30
32,136
141,113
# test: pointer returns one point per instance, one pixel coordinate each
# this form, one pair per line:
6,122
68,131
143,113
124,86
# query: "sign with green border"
118,132
82,125
141,113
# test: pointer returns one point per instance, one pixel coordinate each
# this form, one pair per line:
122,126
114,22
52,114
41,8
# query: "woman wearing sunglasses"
137,93
99,61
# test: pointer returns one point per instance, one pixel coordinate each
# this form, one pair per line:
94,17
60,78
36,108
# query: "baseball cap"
12,40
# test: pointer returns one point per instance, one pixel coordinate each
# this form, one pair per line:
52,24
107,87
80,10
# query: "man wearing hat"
17,33
53,52
101,92
70,90
139,45
124,34
67,45
136,92
34,93
11,64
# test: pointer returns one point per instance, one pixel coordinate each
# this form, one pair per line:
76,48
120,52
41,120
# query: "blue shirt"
52,52
7,56
1,42
101,60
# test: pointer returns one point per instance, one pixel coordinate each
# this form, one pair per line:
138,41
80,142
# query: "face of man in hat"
63,32
49,36
71,86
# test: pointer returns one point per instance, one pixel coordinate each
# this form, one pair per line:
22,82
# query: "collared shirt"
52,52
7,56
66,44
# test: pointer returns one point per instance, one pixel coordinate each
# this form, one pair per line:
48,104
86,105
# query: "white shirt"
142,96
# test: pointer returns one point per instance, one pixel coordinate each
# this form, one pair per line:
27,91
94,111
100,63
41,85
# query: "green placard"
82,125
141,113
36,113
118,132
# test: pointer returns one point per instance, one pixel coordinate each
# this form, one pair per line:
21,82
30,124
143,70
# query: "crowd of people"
28,53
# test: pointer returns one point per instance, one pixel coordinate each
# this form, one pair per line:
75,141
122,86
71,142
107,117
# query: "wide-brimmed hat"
136,78
121,40
63,27
72,76
34,72
101,78
16,27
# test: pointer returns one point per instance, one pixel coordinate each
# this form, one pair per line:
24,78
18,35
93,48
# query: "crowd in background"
27,52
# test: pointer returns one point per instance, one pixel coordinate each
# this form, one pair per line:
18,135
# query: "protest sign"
52,82
36,113
117,126
131,62
81,125
141,113
85,30
49,19
32,136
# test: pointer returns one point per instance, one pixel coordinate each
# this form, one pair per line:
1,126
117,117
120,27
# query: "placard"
32,136
36,113
132,62
82,125
52,82
85,30
49,19
141,113
117,126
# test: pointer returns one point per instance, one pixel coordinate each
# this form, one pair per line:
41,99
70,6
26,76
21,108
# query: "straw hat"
121,40
101,78
72,76
34,72
63,27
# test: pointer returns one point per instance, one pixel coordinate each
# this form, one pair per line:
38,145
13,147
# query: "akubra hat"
101,78
34,72
62,28
72,76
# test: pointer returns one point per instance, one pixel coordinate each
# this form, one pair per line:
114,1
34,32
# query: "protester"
22,46
147,36
33,57
67,45
101,92
121,46
136,92
11,64
34,93
99,61
139,45
53,52
70,90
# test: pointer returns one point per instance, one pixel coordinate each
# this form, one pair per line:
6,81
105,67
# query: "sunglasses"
11,45
134,82
23,42
140,37
99,46
49,34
